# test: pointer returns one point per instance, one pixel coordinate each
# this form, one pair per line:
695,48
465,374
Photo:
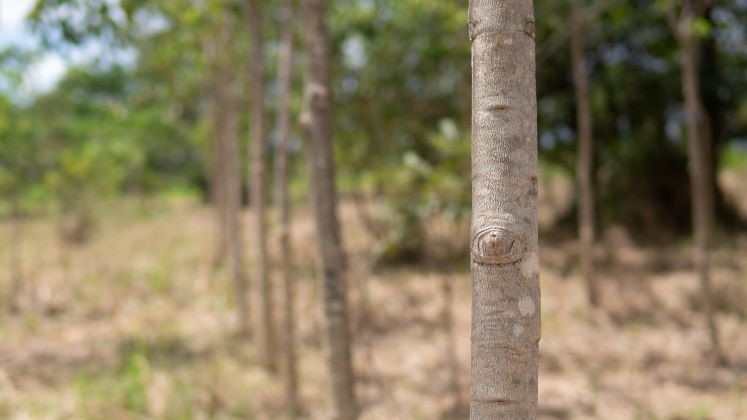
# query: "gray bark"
504,242
317,121
264,336
585,153
285,76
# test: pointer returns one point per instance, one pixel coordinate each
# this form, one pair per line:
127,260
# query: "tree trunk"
217,193
317,121
212,47
14,254
585,153
263,291
228,174
702,213
217,168
285,76
234,241
504,240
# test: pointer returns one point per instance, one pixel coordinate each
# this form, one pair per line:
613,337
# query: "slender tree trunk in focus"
317,121
504,242
14,253
585,164
265,325
285,76
702,214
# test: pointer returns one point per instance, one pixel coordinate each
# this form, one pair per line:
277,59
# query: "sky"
14,31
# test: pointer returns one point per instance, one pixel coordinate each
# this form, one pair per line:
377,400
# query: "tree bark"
14,253
217,169
264,336
701,195
217,193
232,206
285,76
585,153
227,183
317,121
211,49
504,240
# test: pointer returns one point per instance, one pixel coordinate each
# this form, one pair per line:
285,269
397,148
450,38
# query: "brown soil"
135,325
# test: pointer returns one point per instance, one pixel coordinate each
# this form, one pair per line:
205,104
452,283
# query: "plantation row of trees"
212,97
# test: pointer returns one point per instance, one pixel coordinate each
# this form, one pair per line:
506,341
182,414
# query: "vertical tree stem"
317,120
585,153
263,288
699,189
505,263
285,76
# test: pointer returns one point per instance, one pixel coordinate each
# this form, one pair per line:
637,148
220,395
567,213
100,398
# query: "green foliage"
420,188
401,79
734,158
121,390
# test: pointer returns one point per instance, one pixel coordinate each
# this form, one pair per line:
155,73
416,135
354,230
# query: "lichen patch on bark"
526,306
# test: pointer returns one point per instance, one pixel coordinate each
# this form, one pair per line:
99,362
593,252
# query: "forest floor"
137,325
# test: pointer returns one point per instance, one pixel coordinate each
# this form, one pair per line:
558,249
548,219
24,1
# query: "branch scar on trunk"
497,244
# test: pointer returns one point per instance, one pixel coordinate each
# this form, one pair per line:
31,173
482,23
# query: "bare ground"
137,325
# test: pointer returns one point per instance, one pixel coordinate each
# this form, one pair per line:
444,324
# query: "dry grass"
135,325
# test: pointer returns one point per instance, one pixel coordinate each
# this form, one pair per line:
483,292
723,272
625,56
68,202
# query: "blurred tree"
420,72
504,242
265,325
630,50
585,164
85,132
411,168
20,166
687,23
282,200
318,122
226,159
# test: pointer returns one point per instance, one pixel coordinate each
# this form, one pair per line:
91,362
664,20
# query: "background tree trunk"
217,192
701,196
285,76
232,186
211,49
15,254
264,336
317,120
504,241
585,153
228,175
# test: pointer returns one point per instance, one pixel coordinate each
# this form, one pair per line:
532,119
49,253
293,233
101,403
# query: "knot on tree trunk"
498,243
